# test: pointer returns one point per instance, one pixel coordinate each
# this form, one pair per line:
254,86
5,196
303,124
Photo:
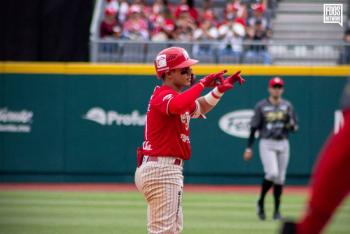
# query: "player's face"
182,77
276,91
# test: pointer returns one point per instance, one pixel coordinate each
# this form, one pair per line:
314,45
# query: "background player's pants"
274,155
161,182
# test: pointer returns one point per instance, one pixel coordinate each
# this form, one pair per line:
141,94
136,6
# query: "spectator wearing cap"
207,13
109,27
185,26
145,9
163,26
235,9
242,9
259,14
187,6
159,6
230,11
233,12
135,28
112,4
162,23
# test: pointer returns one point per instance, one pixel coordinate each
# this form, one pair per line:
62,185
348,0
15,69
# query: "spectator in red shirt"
163,26
146,11
109,27
159,6
235,9
135,28
185,26
207,13
188,6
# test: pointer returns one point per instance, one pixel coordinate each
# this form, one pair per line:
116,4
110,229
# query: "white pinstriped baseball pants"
161,183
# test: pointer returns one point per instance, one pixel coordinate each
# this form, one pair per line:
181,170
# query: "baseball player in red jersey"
330,181
167,135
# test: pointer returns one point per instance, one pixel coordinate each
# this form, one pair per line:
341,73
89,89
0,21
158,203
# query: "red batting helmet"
172,58
276,81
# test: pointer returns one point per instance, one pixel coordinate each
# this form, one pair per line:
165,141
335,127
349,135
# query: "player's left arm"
206,103
200,108
292,124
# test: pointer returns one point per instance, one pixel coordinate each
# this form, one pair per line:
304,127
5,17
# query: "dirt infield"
81,187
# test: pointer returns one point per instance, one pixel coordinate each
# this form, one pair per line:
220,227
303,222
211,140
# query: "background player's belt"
276,138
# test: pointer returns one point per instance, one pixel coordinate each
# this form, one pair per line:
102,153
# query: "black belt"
277,138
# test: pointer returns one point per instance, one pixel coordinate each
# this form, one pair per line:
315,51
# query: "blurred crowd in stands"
161,21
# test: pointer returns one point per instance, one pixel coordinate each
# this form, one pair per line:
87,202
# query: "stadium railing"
247,52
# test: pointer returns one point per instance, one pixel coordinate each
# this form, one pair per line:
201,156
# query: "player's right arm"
248,152
292,121
254,125
186,100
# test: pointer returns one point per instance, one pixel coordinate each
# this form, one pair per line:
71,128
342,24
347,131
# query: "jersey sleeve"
291,123
257,118
292,116
195,111
161,101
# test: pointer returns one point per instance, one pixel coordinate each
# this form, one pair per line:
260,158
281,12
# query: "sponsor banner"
237,123
103,117
88,127
15,121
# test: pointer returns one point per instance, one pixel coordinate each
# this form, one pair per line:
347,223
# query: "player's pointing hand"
236,78
212,79
229,81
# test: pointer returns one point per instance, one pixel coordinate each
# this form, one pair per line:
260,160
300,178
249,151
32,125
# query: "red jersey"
167,134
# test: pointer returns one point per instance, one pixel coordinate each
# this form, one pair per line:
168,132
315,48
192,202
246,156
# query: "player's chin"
187,82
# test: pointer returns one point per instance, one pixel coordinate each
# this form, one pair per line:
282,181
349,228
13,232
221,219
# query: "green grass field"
125,212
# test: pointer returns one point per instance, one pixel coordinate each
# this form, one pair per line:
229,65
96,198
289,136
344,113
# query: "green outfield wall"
82,123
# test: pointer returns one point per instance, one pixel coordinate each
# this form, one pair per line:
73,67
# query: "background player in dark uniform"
330,181
274,118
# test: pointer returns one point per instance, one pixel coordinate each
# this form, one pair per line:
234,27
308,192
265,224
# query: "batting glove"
213,80
229,81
